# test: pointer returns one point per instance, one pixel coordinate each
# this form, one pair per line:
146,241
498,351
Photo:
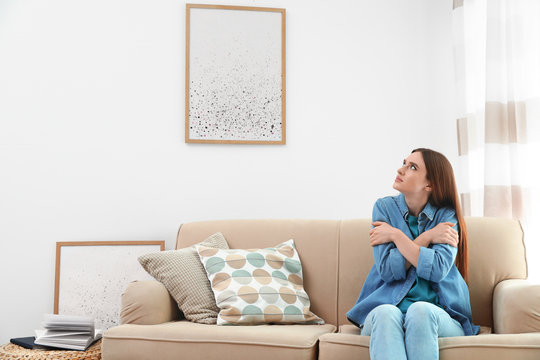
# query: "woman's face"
411,176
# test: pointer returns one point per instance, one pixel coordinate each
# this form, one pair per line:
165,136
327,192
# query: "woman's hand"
382,233
444,234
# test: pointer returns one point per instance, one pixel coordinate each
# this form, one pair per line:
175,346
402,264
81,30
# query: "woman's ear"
428,188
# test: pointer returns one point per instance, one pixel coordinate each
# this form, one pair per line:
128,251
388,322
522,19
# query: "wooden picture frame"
235,75
91,276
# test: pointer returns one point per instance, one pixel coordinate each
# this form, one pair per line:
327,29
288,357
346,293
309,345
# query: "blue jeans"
413,335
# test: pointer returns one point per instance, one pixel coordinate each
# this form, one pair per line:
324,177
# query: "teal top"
421,289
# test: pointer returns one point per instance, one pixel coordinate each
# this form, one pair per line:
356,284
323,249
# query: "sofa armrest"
516,307
147,303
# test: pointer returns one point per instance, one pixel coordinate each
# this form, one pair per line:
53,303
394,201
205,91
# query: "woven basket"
16,352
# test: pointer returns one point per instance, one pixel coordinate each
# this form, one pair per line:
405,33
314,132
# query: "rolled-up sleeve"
434,263
396,262
388,260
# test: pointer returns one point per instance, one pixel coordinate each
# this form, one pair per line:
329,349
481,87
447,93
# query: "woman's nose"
401,170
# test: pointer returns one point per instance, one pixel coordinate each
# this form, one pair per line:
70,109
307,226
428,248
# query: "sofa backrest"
336,256
496,253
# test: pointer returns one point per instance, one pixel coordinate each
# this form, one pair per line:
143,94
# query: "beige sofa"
336,258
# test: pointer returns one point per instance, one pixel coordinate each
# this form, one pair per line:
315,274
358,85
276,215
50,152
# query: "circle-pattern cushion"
256,286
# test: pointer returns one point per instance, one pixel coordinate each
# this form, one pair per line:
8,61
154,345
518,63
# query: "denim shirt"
389,282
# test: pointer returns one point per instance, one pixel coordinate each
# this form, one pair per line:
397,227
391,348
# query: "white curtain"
497,63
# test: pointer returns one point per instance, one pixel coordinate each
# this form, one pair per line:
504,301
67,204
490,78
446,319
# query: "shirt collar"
428,210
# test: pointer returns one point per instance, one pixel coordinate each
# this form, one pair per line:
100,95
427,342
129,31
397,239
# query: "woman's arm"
382,233
443,233
435,263
389,262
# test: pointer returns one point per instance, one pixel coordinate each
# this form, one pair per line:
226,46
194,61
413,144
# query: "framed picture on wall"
91,276
235,75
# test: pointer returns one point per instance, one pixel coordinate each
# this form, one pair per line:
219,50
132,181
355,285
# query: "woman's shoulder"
387,202
390,199
444,213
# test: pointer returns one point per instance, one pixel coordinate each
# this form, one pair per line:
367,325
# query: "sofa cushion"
257,286
349,344
181,272
187,340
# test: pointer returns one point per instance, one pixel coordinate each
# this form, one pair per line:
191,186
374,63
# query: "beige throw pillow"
182,273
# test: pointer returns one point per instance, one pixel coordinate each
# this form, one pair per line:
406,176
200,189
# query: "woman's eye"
413,167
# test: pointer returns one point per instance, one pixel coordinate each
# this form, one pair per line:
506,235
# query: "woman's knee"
421,312
385,319
387,312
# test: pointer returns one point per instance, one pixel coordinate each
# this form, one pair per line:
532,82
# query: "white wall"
92,118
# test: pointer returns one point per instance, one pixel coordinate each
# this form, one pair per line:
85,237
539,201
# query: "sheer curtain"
497,63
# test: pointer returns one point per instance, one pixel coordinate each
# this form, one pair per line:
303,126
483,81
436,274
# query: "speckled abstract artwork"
92,279
235,75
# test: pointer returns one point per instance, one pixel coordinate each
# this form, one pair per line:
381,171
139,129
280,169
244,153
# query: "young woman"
416,290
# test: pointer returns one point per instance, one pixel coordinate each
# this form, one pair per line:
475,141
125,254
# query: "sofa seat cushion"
184,339
349,344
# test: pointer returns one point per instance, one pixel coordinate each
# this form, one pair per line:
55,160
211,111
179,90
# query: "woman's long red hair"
444,193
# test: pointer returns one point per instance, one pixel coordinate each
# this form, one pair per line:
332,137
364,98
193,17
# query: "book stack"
67,332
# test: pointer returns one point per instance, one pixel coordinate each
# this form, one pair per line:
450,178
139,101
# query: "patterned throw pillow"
257,286
181,272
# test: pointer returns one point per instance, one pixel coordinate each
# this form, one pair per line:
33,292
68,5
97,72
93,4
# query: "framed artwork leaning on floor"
91,276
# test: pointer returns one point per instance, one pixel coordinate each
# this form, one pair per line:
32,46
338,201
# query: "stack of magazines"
67,332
